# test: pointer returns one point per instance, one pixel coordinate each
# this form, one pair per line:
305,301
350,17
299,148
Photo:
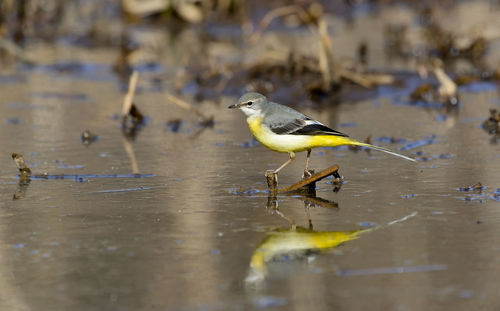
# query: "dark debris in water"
492,124
477,193
478,187
174,125
408,196
133,122
424,92
88,137
427,95
24,170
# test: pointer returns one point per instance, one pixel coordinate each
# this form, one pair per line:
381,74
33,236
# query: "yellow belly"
292,143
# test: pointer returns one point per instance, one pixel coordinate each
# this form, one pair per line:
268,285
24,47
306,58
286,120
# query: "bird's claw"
270,173
307,174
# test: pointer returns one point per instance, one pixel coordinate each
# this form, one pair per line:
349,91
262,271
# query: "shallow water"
182,236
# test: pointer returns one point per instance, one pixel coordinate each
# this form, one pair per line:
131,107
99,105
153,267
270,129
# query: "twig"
204,120
15,51
278,12
314,178
447,87
356,78
328,66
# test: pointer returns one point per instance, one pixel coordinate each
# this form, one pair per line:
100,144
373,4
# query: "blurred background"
137,189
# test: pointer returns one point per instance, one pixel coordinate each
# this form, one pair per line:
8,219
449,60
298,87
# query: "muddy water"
183,237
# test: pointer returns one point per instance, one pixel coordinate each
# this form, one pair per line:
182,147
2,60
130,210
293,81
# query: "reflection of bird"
296,242
283,129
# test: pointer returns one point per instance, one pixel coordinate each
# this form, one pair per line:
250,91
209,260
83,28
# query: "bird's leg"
292,157
307,159
272,176
307,173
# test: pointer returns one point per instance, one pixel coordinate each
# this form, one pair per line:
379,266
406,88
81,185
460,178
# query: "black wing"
304,127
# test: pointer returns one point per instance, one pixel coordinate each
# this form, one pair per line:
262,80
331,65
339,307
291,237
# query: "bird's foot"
271,172
307,174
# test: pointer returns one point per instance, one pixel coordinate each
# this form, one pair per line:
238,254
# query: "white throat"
250,113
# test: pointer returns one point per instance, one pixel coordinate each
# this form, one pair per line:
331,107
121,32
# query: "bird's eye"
249,103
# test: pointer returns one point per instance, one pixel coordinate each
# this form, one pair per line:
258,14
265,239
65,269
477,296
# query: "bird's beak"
233,106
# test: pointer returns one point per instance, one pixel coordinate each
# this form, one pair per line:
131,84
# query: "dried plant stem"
129,97
273,14
204,120
14,50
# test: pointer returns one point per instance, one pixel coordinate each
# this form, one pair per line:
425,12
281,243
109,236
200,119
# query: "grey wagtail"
283,129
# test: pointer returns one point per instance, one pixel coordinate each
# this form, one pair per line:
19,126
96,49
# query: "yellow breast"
273,141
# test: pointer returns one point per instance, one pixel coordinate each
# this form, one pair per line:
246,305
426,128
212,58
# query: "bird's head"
251,104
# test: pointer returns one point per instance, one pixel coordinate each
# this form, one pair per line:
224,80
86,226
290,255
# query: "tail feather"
357,143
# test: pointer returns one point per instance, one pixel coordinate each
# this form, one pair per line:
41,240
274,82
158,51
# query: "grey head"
251,103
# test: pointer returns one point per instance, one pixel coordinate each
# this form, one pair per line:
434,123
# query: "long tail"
348,141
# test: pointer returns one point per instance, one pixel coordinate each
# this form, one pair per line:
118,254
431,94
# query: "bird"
283,129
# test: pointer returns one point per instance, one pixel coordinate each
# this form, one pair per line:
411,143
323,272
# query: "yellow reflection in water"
297,240
292,241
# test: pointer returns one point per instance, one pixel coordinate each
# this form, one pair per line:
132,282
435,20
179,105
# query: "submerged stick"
314,178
